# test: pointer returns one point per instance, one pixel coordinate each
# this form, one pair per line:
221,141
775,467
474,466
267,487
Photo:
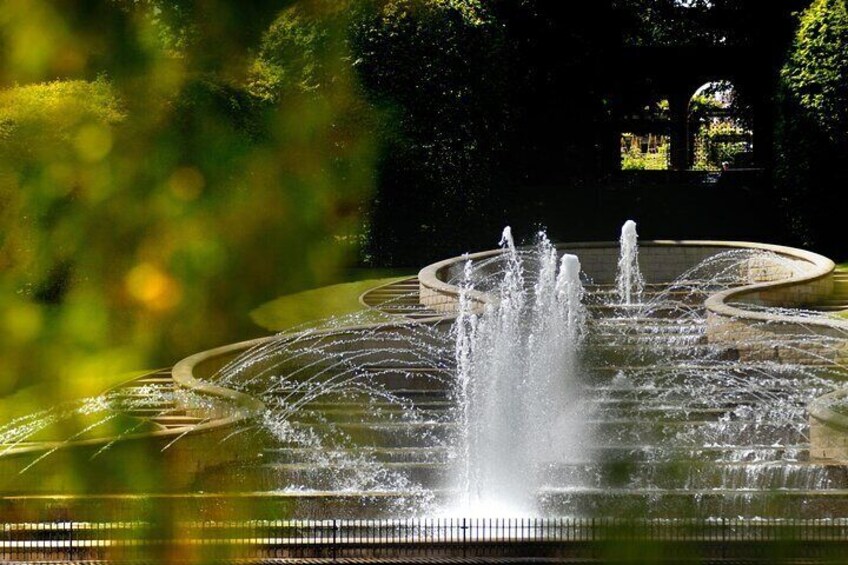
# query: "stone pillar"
679,110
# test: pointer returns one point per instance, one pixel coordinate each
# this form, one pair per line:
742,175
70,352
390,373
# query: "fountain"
527,405
535,389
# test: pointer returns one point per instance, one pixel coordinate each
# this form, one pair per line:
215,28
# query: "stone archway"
720,129
676,75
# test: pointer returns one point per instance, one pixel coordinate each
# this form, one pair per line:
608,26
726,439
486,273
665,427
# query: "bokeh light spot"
23,322
93,142
153,287
186,183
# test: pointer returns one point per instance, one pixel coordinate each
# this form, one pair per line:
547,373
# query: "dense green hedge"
443,71
813,127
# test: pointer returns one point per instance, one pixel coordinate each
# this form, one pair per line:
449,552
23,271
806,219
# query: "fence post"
333,551
464,538
70,539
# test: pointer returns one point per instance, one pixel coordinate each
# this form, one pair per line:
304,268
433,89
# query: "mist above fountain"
516,391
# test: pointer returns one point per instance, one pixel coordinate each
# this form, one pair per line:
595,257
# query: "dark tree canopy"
195,139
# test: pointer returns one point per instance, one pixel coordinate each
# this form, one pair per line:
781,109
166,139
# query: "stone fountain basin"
202,450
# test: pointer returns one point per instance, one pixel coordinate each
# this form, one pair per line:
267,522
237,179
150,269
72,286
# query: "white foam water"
629,282
517,365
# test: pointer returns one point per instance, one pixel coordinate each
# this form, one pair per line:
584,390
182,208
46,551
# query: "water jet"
533,382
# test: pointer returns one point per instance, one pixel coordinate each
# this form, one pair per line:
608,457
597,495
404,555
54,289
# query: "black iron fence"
424,538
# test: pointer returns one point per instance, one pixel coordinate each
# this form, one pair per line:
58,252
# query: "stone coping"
397,318
432,276
183,375
820,267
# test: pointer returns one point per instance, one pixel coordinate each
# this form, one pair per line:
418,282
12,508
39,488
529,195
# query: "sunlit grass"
283,313
42,396
300,308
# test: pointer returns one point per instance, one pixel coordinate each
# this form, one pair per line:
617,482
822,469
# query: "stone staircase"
838,301
675,429
152,397
400,298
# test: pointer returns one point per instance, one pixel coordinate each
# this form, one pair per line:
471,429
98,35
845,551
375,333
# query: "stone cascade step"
637,368
400,298
838,299
634,454
650,409
612,398
649,404
150,397
684,389
393,455
651,302
696,475
662,503
667,343
604,432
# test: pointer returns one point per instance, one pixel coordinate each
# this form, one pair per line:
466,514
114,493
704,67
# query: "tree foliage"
438,70
302,51
443,69
816,74
149,200
813,127
689,22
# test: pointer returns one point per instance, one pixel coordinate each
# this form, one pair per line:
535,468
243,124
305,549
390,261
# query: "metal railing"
421,538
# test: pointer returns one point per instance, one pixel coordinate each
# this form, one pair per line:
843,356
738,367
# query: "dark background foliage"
167,166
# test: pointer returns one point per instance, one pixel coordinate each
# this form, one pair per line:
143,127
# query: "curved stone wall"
785,277
796,278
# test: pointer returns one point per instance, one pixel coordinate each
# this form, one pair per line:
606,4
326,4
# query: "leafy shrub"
635,160
143,216
443,69
816,74
718,142
812,133
50,113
